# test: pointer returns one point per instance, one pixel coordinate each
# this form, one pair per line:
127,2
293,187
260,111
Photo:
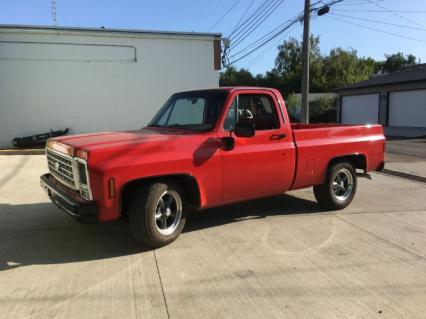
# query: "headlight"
82,173
83,179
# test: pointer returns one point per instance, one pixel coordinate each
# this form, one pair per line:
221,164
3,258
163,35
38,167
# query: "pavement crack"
382,238
403,175
36,229
161,284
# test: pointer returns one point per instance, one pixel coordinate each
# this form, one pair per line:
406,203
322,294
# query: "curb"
37,151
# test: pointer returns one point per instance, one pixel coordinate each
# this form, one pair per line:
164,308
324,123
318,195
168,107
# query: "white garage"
396,100
360,109
407,108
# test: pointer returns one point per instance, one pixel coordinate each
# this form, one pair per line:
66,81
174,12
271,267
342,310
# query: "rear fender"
358,161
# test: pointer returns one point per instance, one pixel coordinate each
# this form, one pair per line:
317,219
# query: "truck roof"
232,88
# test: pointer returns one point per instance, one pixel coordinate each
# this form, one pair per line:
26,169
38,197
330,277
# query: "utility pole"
53,8
304,114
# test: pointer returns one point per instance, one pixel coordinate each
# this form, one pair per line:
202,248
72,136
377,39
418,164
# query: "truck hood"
101,141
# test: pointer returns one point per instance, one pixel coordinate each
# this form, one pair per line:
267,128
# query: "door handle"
278,136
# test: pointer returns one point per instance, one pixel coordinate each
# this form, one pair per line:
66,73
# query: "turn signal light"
58,146
82,154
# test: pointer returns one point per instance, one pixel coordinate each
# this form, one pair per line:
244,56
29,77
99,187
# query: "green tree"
323,109
338,68
395,62
292,102
343,67
233,77
288,65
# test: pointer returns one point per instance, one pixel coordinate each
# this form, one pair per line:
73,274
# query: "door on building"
360,109
407,108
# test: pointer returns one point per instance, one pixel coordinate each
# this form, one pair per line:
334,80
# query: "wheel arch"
358,161
189,182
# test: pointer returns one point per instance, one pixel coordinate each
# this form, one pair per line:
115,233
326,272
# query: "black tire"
145,205
325,193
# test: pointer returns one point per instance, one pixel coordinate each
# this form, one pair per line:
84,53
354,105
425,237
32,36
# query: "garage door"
360,109
407,108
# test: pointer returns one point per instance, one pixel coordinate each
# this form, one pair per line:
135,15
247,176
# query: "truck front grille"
61,167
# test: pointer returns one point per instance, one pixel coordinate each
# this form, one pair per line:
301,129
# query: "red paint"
256,167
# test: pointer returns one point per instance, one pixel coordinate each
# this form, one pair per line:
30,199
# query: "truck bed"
316,144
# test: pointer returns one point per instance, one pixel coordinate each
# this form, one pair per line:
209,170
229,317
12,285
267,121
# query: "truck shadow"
33,234
254,209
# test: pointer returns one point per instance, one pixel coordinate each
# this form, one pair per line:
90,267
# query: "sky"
367,26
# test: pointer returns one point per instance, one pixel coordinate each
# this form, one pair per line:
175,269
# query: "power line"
253,16
225,14
378,30
397,14
267,48
53,8
257,23
367,10
201,15
357,3
244,14
381,22
260,38
266,41
276,28
274,33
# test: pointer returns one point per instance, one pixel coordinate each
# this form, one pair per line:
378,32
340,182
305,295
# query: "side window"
256,108
230,120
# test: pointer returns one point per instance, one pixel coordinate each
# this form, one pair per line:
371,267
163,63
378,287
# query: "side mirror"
228,143
244,129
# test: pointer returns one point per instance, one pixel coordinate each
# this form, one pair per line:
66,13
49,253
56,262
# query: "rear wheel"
157,214
339,187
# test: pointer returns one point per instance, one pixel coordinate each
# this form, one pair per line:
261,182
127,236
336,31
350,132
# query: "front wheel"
157,214
339,187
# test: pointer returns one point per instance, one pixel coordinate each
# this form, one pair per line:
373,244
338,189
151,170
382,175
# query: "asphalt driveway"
270,258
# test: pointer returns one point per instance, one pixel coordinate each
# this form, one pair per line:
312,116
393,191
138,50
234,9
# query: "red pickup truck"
206,148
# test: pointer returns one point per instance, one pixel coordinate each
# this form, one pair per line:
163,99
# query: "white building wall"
94,81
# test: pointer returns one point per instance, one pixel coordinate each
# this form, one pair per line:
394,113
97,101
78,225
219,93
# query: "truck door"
261,165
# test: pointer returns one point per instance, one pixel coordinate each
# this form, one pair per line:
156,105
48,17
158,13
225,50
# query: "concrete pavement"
269,258
407,156
415,147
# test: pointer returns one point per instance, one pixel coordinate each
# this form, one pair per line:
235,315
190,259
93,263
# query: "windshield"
196,111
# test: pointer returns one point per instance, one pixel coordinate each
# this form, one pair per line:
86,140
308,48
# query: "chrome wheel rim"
168,212
343,184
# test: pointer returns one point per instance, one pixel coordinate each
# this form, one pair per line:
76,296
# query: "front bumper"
72,204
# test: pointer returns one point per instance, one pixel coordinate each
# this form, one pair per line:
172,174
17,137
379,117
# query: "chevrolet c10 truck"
203,149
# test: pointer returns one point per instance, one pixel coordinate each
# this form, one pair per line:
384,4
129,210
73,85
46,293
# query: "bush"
293,107
323,110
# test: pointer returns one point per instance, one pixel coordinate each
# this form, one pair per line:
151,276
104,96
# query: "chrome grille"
61,167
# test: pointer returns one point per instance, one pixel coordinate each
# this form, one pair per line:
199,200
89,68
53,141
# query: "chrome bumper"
77,207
